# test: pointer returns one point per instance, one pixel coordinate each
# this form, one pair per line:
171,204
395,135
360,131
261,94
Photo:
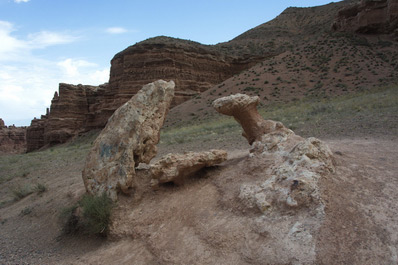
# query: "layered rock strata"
12,139
74,109
194,67
375,16
80,108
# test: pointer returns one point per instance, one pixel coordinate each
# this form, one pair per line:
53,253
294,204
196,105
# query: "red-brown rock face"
194,68
12,139
369,16
72,111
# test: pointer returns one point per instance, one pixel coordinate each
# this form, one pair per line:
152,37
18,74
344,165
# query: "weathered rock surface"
286,191
375,16
194,67
129,138
176,167
12,139
244,109
73,110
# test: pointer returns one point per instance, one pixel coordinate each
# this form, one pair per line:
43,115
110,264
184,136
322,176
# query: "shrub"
40,188
90,215
96,211
21,192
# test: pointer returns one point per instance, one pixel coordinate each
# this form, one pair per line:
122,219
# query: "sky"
47,42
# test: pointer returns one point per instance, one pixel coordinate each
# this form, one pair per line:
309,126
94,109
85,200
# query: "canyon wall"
369,17
78,108
12,139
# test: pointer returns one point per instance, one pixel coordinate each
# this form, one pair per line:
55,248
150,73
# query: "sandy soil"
201,222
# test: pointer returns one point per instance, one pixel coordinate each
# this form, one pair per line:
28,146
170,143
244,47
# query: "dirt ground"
202,222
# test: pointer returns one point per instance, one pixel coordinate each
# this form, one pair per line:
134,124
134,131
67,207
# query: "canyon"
80,108
322,36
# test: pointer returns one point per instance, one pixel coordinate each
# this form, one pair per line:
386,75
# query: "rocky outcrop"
287,190
368,16
80,108
244,110
74,109
129,138
194,67
12,139
177,167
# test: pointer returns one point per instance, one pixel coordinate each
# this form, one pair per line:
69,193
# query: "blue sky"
46,42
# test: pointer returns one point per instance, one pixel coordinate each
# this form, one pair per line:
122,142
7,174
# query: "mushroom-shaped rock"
176,167
244,109
129,138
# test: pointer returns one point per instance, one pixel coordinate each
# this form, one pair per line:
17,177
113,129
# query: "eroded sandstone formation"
129,138
244,110
287,190
176,167
79,108
74,109
194,67
12,139
369,16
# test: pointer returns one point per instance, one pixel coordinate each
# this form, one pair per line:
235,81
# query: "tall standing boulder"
129,138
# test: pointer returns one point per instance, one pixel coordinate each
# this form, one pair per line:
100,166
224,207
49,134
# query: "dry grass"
360,113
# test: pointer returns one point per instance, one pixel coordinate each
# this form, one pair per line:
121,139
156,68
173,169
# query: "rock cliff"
79,108
73,110
194,67
12,139
369,16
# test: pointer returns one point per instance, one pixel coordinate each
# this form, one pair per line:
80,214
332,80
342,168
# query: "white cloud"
44,39
9,45
83,72
15,49
116,30
21,1
28,82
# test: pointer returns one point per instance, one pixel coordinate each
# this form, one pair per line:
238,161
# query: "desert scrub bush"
40,188
21,192
91,215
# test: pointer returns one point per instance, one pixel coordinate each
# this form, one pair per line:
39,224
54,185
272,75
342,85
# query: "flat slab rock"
176,167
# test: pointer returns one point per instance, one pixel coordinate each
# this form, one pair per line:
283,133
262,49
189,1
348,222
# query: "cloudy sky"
47,42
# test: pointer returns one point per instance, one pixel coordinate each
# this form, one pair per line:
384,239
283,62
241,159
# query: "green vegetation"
40,188
350,114
21,192
94,217
96,213
22,165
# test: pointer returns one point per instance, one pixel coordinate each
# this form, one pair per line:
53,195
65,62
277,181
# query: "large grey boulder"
129,138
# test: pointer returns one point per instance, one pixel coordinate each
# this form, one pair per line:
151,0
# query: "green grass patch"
310,116
91,215
21,192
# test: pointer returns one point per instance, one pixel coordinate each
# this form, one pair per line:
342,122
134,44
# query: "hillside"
310,59
303,52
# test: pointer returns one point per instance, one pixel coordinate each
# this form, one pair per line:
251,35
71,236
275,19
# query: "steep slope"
313,60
